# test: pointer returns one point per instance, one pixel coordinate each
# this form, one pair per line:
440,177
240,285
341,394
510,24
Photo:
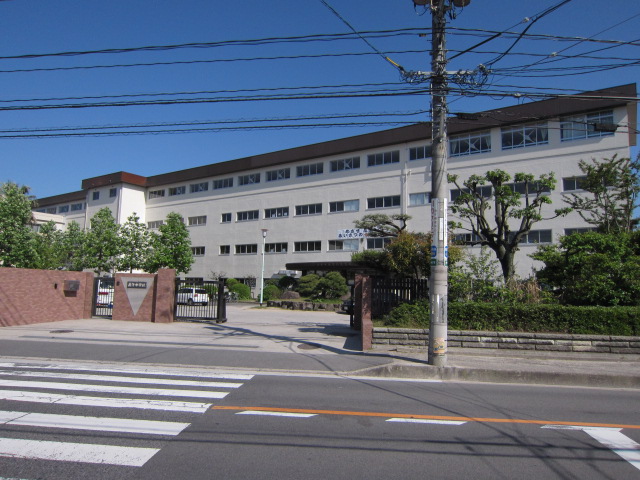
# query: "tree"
307,284
73,248
48,246
17,247
381,225
135,244
102,243
593,268
612,189
332,285
172,246
521,202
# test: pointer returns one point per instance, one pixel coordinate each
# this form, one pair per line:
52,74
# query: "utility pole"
439,287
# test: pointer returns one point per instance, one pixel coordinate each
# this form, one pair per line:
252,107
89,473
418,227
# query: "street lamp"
264,244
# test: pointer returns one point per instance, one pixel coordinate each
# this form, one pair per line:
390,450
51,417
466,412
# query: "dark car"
348,305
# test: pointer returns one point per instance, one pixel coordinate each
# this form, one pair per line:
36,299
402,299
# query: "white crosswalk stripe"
145,390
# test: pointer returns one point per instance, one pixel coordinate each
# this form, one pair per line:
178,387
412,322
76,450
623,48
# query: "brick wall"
36,296
509,341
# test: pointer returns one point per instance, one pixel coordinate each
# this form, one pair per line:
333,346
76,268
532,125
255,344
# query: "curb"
462,374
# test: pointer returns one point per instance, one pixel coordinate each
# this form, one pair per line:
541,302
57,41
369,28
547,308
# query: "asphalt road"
278,426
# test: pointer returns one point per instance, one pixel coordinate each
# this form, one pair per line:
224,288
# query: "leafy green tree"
49,249
17,246
307,284
135,244
381,225
593,268
517,207
172,246
73,248
331,286
286,283
102,243
611,193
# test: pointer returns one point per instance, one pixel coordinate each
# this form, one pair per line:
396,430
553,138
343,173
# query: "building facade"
307,198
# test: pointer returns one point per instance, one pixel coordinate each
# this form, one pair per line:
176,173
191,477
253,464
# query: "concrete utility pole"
438,288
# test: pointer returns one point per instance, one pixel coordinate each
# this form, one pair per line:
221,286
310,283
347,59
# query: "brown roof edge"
114,178
80,195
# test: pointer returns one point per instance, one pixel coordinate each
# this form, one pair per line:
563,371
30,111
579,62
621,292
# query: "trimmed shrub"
271,292
533,318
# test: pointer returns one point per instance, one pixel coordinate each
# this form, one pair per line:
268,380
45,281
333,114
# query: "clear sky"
232,52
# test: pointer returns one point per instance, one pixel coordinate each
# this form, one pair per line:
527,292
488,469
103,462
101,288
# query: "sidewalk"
275,340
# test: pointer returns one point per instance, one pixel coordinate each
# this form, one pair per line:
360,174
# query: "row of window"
311,246
534,236
74,207
578,127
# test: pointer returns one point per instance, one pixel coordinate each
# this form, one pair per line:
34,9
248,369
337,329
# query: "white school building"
307,198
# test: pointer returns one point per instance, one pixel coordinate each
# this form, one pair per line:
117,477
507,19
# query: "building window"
225,249
470,144
311,209
201,220
378,243
276,212
537,236
345,164
156,193
225,218
466,238
276,247
485,191
248,249
173,191
384,158
247,216
199,187
383,202
573,183
598,124
249,179
113,192
313,246
420,153
52,210
63,209
525,136
422,198
312,169
571,231
223,183
345,206
96,195
197,251
280,174
521,187
76,207
155,224
344,245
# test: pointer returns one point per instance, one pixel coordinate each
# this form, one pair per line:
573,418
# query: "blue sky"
56,165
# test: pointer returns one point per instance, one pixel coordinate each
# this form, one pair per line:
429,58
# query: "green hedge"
623,321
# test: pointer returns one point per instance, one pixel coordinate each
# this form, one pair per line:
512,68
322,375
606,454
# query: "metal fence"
388,293
201,301
103,288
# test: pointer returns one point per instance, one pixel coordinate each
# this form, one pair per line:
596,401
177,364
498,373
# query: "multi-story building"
307,198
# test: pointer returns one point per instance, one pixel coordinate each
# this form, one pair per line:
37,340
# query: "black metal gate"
103,288
201,301
388,293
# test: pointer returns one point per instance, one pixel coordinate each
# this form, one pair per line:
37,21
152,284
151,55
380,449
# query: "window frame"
334,206
251,249
383,158
199,220
394,200
470,138
344,164
249,179
280,212
278,174
199,187
251,216
308,206
316,243
310,169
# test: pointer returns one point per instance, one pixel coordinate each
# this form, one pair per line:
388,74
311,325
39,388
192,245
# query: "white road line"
39,397
91,423
426,420
109,378
221,376
75,452
611,438
276,414
112,389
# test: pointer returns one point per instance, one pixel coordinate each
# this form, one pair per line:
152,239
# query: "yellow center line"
424,417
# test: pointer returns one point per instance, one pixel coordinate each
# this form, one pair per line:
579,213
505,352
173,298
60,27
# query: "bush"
271,292
331,286
307,284
241,290
533,318
287,282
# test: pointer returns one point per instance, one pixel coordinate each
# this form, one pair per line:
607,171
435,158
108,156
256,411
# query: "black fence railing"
388,293
203,300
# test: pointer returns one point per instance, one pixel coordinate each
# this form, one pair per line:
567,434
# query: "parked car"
104,297
192,296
